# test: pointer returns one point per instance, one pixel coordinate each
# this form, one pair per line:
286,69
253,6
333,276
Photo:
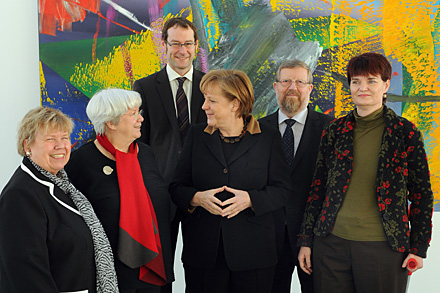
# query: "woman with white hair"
120,178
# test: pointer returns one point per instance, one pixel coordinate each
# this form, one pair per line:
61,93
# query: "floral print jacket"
402,176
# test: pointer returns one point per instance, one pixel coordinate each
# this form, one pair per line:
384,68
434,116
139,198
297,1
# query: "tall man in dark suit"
301,129
172,101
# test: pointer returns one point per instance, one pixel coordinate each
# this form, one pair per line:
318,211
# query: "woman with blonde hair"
51,239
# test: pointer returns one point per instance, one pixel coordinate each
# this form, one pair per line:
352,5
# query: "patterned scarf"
106,280
138,243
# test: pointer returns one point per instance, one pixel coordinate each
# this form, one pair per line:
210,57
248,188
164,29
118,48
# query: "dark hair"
369,63
234,84
178,21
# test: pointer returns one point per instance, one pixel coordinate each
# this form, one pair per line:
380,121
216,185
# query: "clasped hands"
207,200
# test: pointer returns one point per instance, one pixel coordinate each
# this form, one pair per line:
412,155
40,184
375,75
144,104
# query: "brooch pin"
107,170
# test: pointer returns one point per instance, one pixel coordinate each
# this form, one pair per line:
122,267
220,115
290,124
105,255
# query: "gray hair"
108,105
294,64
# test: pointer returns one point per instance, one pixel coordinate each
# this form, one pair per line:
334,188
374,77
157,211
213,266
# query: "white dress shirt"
297,128
187,86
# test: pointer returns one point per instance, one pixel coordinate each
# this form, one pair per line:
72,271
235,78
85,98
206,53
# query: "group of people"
255,199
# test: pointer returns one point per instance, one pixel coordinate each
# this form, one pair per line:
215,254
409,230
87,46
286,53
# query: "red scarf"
139,242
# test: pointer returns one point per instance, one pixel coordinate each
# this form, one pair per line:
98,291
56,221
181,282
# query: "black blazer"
301,173
160,129
257,166
45,245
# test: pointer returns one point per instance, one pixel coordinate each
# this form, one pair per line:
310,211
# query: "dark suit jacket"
45,246
160,129
256,166
301,173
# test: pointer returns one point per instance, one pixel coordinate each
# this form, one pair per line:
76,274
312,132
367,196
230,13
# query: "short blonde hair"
41,119
108,105
234,84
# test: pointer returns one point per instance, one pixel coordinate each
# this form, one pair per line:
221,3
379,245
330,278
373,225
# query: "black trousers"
346,266
221,279
287,261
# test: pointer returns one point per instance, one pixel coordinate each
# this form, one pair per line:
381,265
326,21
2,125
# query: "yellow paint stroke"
407,37
293,8
43,91
110,71
143,49
212,23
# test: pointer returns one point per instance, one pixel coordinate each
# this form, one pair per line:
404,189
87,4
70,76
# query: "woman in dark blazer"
51,241
230,177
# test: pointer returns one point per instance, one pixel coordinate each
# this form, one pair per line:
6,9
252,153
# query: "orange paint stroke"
63,13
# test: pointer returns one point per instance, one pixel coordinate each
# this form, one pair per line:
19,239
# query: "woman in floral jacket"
370,164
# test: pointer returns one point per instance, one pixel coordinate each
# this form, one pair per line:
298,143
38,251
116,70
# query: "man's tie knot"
181,81
290,122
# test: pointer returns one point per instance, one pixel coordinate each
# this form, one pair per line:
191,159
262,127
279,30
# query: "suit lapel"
309,131
272,120
245,144
214,145
167,99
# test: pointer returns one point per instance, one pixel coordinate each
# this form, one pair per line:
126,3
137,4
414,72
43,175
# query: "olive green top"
358,218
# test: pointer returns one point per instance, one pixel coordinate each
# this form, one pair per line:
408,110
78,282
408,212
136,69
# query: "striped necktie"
182,109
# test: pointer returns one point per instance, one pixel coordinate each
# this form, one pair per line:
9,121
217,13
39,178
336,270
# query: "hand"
417,258
304,259
239,202
207,200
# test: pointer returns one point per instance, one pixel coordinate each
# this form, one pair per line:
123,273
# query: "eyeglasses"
136,114
288,82
178,45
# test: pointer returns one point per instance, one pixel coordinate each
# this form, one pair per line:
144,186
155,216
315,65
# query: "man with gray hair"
300,127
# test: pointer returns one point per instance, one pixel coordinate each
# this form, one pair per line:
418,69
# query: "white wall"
19,82
19,77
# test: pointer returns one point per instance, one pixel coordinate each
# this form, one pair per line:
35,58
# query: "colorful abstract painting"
87,45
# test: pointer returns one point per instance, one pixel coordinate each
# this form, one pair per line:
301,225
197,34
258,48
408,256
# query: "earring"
28,153
385,95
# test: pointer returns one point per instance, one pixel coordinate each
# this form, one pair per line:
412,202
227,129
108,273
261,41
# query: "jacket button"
382,191
225,170
386,216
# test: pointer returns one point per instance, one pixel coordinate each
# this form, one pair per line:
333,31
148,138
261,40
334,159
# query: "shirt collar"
172,75
300,117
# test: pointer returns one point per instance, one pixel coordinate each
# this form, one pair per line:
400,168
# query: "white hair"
109,104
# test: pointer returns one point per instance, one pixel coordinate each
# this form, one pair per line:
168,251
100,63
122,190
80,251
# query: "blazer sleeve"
316,195
419,194
278,189
181,188
23,250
